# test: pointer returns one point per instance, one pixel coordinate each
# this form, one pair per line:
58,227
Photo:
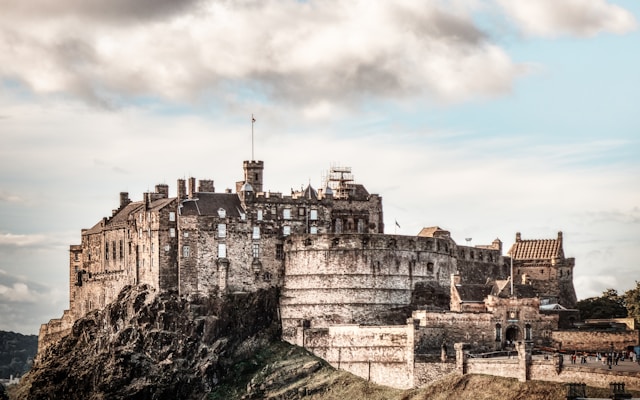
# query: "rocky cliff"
149,345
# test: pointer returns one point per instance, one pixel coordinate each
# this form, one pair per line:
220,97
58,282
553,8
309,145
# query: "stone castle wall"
599,341
380,354
361,279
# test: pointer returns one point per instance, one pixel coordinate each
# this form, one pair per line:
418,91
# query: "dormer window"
286,213
222,213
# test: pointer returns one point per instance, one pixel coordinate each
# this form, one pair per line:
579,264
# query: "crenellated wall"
358,278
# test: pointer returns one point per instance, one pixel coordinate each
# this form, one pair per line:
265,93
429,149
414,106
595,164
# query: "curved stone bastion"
365,279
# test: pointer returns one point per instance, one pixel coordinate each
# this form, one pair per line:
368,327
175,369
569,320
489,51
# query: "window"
301,211
259,215
140,232
255,250
222,250
222,230
313,230
286,230
313,215
222,213
286,213
430,268
279,251
267,277
256,232
185,234
527,332
172,216
106,251
186,252
498,333
75,257
121,249
172,232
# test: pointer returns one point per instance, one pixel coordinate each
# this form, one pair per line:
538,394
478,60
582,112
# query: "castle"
355,296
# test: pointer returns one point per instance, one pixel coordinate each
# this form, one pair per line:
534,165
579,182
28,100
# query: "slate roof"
210,203
122,216
540,249
473,292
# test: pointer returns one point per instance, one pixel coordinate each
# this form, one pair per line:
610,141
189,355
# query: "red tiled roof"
539,249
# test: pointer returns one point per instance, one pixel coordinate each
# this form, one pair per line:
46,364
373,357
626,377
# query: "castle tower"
253,174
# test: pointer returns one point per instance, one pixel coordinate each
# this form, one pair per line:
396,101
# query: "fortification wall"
595,341
496,367
381,354
425,373
362,279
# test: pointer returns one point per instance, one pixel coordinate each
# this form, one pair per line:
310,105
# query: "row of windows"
222,251
286,214
113,250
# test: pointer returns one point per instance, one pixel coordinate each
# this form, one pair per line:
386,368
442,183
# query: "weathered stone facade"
363,300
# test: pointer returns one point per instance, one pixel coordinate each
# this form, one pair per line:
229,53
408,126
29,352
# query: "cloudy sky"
485,117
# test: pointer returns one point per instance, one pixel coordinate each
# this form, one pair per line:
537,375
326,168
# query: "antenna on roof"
253,121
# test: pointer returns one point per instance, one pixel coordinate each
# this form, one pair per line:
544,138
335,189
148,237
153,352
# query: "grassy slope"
281,371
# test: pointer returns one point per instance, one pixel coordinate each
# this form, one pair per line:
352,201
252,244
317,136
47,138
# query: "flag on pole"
397,224
253,119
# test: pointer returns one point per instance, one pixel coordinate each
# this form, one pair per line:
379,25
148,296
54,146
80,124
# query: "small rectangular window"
313,230
259,215
222,230
106,251
222,250
121,249
313,215
286,213
186,252
185,234
255,250
286,230
172,232
301,211
140,232
279,251
256,232
172,216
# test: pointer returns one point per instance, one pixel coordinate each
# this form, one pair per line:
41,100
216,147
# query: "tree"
632,301
609,305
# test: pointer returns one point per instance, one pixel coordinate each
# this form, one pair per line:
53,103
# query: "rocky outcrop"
154,346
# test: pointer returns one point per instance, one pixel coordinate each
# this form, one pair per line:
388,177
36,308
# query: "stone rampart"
425,373
364,279
381,354
595,340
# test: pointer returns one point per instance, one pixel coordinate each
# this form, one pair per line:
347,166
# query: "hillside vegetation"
149,346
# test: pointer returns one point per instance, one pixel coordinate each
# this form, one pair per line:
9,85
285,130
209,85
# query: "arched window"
498,333
527,332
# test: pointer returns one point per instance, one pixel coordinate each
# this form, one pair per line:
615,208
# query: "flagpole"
253,121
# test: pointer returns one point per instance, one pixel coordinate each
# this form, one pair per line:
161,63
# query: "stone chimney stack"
192,187
163,190
518,237
206,185
124,199
182,191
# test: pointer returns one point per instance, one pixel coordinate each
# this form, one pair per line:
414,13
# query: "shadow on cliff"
154,346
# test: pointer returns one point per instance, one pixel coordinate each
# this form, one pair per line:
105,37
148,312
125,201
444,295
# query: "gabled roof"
502,288
310,193
538,249
210,203
434,231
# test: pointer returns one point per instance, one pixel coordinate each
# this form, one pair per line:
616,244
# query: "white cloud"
10,239
315,52
568,17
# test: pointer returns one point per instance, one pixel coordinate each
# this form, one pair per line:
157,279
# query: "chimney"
182,191
124,199
206,185
147,200
560,236
192,187
518,238
163,189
